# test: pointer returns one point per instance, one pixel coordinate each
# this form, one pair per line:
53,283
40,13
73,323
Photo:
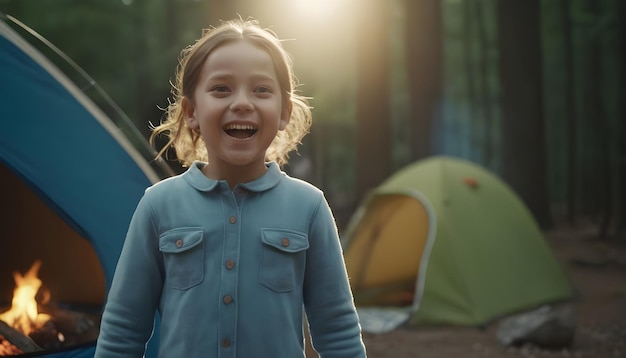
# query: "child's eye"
220,89
263,89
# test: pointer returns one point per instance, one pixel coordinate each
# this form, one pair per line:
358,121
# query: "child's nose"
241,102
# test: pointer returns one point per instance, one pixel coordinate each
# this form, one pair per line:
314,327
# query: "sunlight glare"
316,9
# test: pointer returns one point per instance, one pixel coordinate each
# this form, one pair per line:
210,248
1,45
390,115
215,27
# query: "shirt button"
240,191
232,219
230,264
179,243
226,343
285,242
228,299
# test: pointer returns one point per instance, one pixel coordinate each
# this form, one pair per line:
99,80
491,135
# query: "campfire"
33,323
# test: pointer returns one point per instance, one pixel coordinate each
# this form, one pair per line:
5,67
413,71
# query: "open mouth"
241,131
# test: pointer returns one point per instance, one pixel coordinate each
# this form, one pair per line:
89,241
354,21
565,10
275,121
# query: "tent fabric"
377,281
388,215
68,152
58,142
79,352
488,258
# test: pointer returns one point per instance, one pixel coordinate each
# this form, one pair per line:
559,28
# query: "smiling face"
238,107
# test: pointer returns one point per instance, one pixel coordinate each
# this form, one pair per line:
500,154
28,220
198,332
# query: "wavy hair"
188,144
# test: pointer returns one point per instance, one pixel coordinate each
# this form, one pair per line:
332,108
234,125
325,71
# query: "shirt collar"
198,180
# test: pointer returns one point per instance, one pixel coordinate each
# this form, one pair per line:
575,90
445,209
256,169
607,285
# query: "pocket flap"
180,239
285,240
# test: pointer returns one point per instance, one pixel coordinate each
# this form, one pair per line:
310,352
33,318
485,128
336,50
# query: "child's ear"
190,113
285,116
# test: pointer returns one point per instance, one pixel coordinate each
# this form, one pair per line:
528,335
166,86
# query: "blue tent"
69,153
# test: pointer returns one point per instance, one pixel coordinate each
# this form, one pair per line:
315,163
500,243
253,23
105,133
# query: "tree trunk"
523,133
597,114
373,128
479,8
570,113
424,51
468,59
622,122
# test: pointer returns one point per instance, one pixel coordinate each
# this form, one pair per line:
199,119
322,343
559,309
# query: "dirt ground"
597,270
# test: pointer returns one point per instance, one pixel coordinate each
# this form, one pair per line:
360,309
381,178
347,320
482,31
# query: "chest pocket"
183,257
283,259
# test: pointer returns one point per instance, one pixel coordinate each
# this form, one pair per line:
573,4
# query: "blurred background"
534,91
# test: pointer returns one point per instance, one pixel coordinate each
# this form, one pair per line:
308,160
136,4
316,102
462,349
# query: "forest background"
533,90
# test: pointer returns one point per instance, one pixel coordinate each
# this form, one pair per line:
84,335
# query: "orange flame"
24,315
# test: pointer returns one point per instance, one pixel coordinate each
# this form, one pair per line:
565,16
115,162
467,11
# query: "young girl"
232,251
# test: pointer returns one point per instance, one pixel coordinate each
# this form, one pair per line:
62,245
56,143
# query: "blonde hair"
188,144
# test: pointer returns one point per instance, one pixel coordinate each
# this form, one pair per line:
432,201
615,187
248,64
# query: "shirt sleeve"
128,317
329,305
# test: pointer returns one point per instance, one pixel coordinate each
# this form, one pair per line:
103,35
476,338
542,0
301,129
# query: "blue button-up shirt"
230,271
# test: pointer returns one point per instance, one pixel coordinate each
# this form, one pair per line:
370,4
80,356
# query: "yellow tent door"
386,249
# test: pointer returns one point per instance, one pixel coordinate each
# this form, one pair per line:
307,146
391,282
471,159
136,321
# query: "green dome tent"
451,243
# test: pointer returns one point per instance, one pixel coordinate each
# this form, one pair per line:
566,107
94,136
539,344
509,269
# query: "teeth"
240,127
